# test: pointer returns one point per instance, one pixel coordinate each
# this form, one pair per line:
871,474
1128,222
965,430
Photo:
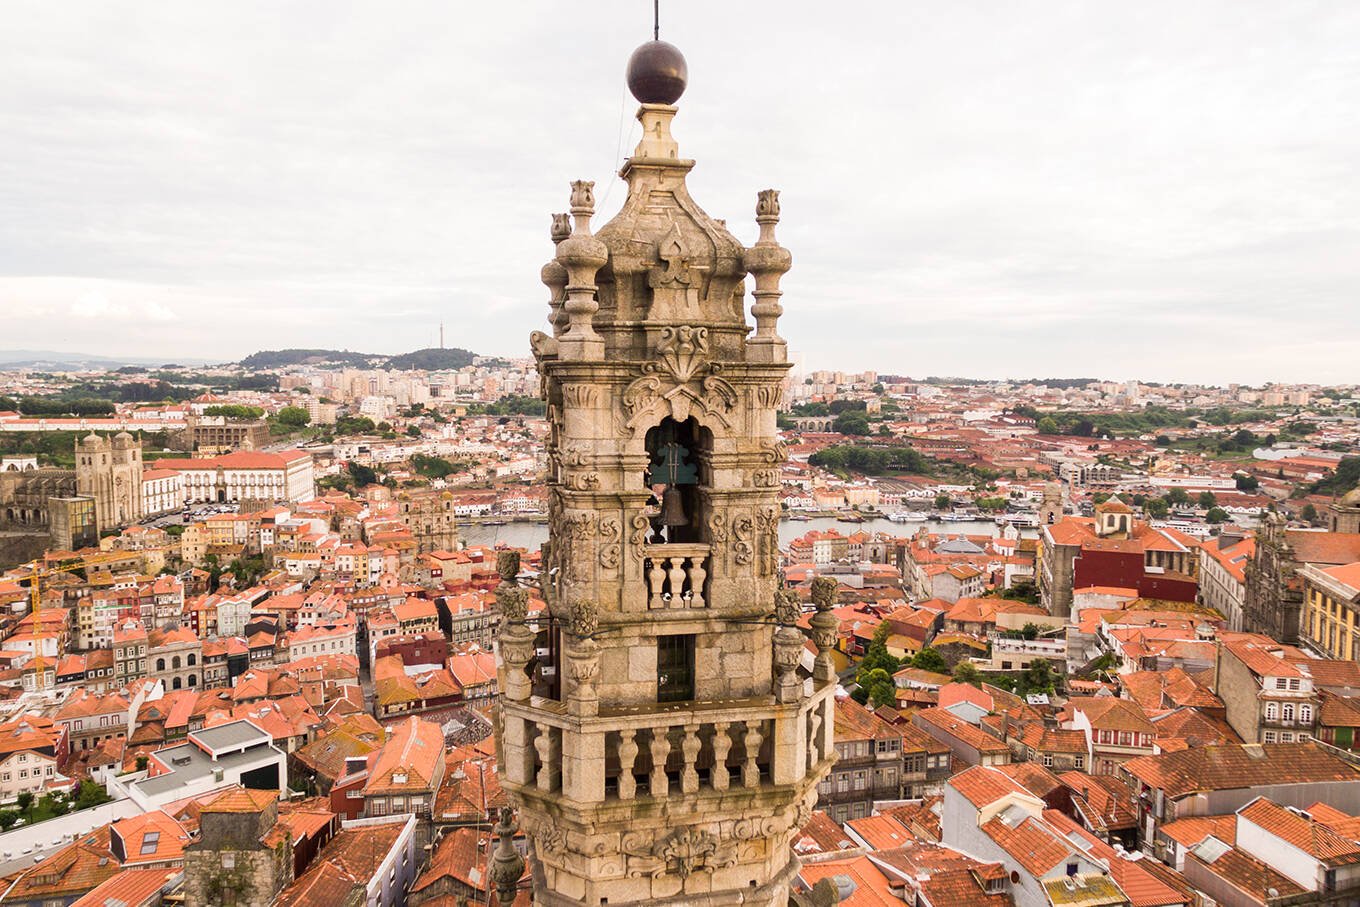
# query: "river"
532,535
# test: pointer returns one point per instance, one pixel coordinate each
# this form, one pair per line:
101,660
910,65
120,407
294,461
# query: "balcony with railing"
676,574
661,750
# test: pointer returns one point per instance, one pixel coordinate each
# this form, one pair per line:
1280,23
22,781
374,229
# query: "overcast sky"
1166,190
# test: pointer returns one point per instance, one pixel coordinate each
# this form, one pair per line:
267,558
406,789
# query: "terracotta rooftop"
242,800
1236,766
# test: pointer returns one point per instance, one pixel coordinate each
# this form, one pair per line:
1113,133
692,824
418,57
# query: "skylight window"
150,841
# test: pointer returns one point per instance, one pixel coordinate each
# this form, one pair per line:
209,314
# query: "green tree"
877,658
413,431
852,423
234,411
1047,426
1244,438
1246,482
434,467
930,660
91,794
8,819
1162,441
1308,513
1177,496
25,803
1038,677
354,425
1216,515
1207,499
943,501
292,416
966,672
1156,508
879,688
362,475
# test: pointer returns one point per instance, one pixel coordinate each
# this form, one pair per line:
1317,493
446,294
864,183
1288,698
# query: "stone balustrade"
662,750
676,574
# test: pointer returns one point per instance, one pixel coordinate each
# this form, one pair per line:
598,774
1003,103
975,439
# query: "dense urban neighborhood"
1091,639
663,614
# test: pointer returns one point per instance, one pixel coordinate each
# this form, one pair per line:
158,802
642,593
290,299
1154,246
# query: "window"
1079,762
1272,711
1293,683
1270,736
675,668
1280,683
1306,713
1287,737
150,841
861,780
1048,760
1287,711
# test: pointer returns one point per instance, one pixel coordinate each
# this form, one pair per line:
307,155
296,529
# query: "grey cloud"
1166,190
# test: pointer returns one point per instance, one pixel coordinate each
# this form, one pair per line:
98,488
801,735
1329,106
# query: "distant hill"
54,361
432,359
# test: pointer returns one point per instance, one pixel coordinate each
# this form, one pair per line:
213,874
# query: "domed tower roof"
91,441
1350,498
123,440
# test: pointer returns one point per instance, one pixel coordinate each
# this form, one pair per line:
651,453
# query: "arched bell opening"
678,469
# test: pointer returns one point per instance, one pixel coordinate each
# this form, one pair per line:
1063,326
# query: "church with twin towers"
655,735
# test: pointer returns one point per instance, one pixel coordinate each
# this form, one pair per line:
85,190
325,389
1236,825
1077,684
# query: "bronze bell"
673,508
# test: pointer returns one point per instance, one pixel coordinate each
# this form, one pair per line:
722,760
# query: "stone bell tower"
654,734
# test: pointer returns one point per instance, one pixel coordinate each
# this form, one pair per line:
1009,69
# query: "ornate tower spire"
654,732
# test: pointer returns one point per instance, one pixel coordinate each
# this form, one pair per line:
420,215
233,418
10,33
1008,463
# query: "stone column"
767,261
582,255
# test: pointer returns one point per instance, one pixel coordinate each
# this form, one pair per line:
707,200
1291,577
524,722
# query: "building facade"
1331,617
236,477
1274,595
665,747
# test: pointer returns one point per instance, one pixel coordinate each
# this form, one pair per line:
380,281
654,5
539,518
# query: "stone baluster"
824,629
722,745
697,575
660,748
689,748
767,261
548,745
582,255
656,577
814,750
676,574
788,651
555,276
750,771
628,752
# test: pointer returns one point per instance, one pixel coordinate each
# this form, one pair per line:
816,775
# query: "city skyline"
1157,193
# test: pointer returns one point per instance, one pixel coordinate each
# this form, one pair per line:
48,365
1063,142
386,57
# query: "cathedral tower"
110,471
654,733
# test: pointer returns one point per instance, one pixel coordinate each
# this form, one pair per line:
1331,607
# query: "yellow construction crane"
35,587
